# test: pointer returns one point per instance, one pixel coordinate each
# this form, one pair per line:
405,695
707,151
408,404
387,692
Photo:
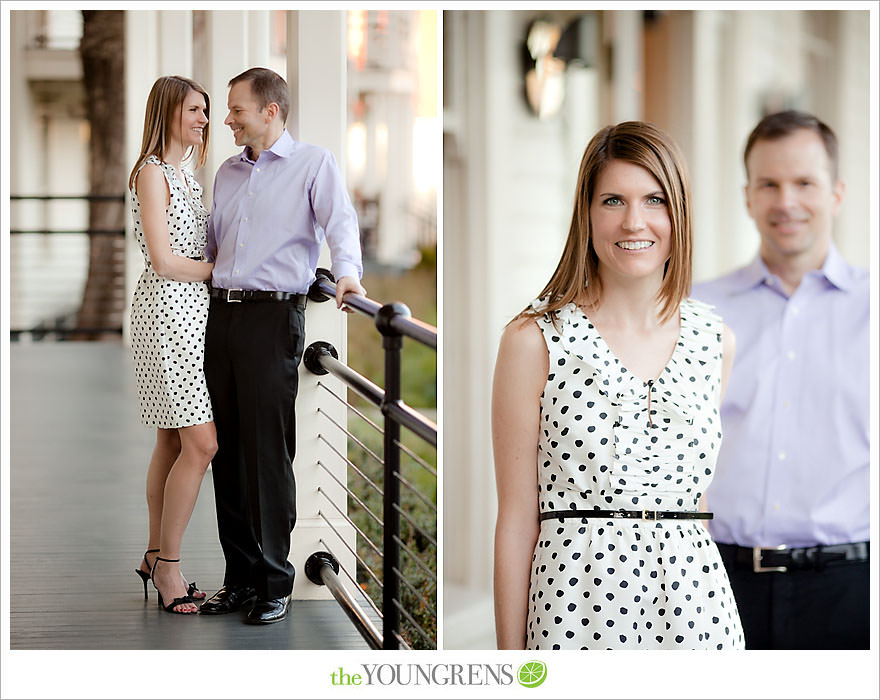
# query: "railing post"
392,342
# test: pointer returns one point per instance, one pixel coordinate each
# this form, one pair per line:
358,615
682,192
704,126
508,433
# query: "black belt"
782,558
632,514
237,295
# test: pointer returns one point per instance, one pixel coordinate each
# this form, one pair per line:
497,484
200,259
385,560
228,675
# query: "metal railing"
52,303
394,322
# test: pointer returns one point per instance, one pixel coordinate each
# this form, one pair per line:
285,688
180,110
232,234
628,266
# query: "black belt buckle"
757,556
229,295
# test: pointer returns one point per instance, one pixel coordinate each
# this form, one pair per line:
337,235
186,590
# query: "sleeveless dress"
600,583
168,318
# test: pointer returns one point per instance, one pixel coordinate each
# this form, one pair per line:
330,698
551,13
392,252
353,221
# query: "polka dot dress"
168,318
600,583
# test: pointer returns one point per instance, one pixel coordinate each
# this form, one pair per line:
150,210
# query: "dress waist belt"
629,514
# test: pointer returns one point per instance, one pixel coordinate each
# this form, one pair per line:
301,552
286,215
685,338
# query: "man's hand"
345,285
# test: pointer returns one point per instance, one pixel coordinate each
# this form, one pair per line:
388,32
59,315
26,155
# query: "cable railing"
408,520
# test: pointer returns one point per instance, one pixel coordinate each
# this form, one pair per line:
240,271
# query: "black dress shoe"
228,599
267,611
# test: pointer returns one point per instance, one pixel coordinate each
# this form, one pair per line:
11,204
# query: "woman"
605,405
168,316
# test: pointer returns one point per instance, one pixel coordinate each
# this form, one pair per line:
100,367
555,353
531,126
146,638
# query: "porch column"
232,43
316,74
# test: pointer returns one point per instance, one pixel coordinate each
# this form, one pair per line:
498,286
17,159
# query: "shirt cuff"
345,269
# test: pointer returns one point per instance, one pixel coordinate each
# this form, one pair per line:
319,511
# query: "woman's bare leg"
198,443
165,453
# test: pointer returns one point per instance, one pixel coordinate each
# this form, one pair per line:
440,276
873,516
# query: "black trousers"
252,350
825,608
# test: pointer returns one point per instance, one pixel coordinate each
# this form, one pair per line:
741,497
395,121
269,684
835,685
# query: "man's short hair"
781,124
267,87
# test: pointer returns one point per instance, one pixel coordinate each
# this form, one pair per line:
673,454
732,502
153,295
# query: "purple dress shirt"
793,465
270,216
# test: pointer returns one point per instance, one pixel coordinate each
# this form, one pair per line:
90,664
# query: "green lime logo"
531,674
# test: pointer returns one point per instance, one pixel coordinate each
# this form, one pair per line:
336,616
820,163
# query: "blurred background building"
523,92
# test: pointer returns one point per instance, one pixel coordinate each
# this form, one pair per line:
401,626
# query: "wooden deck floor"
78,521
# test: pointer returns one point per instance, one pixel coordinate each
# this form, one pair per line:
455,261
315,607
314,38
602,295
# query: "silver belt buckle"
649,515
756,560
229,295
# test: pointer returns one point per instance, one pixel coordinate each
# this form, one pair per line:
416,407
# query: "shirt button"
795,310
781,455
236,271
790,354
250,194
241,245
786,404
245,218
258,170
776,506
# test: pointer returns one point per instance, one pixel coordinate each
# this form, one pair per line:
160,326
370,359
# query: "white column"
293,17
142,49
627,97
26,176
258,38
226,45
395,237
852,103
705,163
470,242
174,42
317,78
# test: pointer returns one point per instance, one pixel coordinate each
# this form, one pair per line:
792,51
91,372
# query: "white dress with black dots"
600,583
168,318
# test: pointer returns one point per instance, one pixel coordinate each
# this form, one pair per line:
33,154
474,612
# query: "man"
274,203
791,494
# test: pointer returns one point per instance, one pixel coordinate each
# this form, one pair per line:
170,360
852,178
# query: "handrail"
68,231
321,358
53,320
51,197
323,569
393,321
396,316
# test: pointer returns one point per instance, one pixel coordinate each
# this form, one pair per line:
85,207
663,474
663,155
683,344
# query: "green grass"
417,289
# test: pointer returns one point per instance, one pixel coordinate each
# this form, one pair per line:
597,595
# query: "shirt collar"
834,269
283,147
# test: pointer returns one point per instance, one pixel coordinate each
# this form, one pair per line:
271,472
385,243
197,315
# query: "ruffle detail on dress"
580,340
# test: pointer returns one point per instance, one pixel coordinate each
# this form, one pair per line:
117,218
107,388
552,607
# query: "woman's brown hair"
577,272
166,96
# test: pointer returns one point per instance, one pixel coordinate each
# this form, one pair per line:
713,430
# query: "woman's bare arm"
152,191
520,375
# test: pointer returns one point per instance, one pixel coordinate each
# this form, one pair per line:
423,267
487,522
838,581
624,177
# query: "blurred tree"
103,60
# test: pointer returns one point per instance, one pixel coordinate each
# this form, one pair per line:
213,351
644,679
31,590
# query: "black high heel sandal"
177,601
146,577
191,589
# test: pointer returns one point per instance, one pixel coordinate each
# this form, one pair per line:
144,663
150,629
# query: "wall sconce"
548,50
